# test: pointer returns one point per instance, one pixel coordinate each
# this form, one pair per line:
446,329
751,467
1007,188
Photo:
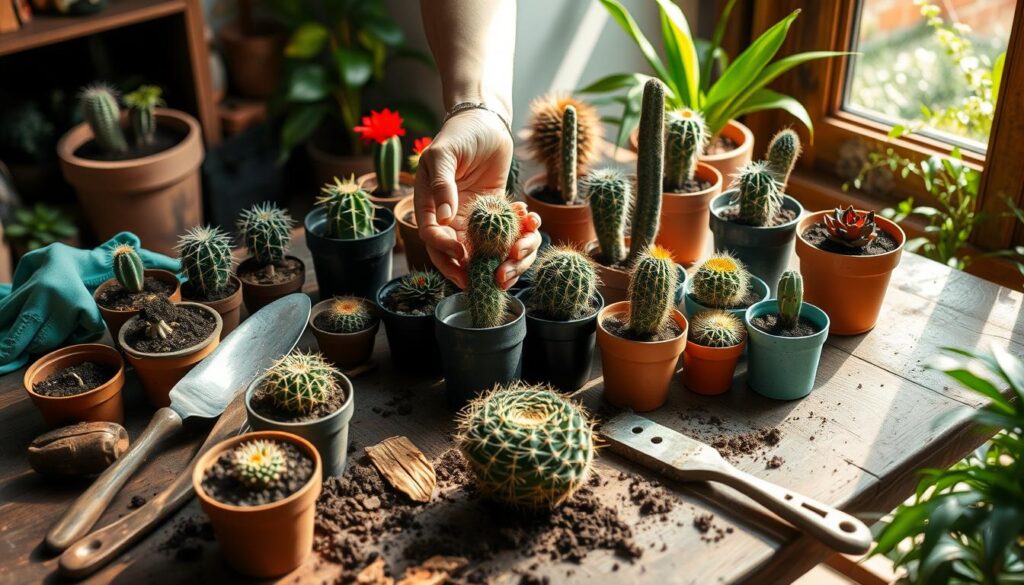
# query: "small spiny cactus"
564,283
652,287
299,382
425,288
348,209
348,315
492,227
205,254
527,445
790,298
649,164
142,104
99,106
783,151
717,328
567,168
759,195
258,463
266,231
387,162
545,141
720,282
685,137
128,268
610,194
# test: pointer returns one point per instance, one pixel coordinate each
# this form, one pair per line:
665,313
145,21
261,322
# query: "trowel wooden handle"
87,509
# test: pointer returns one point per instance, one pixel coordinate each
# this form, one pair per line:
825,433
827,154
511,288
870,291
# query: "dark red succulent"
850,228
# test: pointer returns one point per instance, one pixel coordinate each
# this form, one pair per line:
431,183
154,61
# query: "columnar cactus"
348,315
564,283
421,288
783,151
205,254
790,298
348,209
258,463
141,115
759,194
649,163
717,328
526,445
387,162
545,141
685,137
266,231
720,282
299,382
128,268
610,194
99,106
492,227
567,168
652,287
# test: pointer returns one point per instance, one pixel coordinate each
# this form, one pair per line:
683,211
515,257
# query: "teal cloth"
50,303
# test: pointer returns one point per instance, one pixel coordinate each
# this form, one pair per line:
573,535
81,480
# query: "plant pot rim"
83,349
521,316
594,246
813,313
706,351
541,180
760,284
167,275
79,135
405,179
740,128
706,169
524,292
237,293
402,205
623,307
213,336
888,226
378,300
321,306
347,388
387,216
207,459
727,195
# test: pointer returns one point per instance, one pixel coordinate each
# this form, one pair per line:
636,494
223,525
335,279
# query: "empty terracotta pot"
726,163
416,257
709,370
116,319
257,296
344,350
684,218
566,224
102,403
327,165
230,308
267,540
255,58
637,374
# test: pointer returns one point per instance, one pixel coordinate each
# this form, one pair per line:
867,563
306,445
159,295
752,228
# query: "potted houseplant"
205,254
406,306
304,395
756,220
480,332
848,257
416,257
641,339
152,180
120,298
78,383
351,240
564,136
31,228
259,491
714,346
345,329
268,273
722,282
786,336
388,183
254,51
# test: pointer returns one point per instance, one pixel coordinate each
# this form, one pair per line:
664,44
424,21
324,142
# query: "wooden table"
876,415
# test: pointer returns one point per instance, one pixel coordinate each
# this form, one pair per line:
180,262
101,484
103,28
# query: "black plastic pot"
765,251
410,337
559,352
351,267
476,359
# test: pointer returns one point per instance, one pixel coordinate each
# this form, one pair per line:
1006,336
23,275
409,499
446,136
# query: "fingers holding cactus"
492,227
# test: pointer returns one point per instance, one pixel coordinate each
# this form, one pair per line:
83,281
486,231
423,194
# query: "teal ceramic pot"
783,368
692,307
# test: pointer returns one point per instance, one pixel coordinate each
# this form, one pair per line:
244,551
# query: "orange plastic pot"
566,224
271,539
709,370
637,374
229,308
115,320
159,372
344,350
850,289
102,403
257,296
685,216
416,256
726,163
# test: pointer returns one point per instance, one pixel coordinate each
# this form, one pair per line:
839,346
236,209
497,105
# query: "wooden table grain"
876,415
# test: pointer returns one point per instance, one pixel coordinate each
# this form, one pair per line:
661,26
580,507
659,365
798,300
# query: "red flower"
421,144
381,126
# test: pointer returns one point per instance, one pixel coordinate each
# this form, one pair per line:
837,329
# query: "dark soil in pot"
191,327
817,236
118,298
417,308
164,139
721,145
400,192
690,186
284,271
263,404
220,483
189,294
769,323
551,196
74,380
750,298
619,328
783,217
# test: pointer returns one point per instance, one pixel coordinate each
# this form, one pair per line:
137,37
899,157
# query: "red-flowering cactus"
850,228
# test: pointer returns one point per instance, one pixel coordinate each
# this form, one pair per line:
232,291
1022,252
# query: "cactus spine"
526,445
99,106
205,254
610,195
266,231
299,382
128,268
563,284
783,151
717,328
348,315
421,288
545,140
567,146
720,282
685,137
387,162
790,298
492,228
652,289
649,163
258,463
760,197
142,104
348,209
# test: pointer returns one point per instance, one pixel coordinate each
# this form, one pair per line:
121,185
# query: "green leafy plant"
37,226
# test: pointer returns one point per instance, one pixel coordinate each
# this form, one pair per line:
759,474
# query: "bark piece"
77,450
374,574
405,467
433,571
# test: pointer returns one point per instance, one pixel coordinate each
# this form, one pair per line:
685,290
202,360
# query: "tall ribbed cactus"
258,463
99,106
716,328
564,283
527,445
783,151
299,382
205,254
128,268
652,287
720,282
567,148
790,298
387,162
685,136
759,194
649,163
348,209
610,194
266,231
142,104
348,315
492,227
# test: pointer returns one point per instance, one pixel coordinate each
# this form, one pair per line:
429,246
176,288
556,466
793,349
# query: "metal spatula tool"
686,459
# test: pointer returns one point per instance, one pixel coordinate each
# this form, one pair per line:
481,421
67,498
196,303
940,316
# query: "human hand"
469,157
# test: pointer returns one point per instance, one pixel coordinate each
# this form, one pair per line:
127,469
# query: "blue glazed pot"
693,307
351,267
783,368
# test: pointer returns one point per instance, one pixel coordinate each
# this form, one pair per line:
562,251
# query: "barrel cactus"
758,193
128,268
205,254
492,227
348,209
564,284
527,445
421,288
545,141
99,106
652,287
783,151
266,231
649,164
790,298
685,137
567,168
347,315
610,195
720,282
258,463
716,328
142,104
300,382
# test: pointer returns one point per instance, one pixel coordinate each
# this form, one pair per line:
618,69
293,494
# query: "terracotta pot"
637,374
327,165
268,540
369,182
850,289
157,197
709,370
726,163
103,403
116,319
254,58
614,281
344,350
566,224
159,372
257,296
416,257
230,308
684,218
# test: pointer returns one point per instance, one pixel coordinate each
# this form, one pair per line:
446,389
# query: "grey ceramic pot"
351,267
559,352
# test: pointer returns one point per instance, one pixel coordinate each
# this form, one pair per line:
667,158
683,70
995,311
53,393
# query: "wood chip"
359,370
433,571
405,467
375,574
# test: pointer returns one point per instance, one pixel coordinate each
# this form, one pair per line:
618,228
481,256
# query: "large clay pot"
116,319
566,224
327,165
344,350
102,403
709,370
268,540
257,296
254,58
230,308
684,218
356,267
850,289
416,256
157,197
726,163
784,368
637,374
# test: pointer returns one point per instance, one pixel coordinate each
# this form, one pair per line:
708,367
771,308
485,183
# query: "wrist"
499,102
